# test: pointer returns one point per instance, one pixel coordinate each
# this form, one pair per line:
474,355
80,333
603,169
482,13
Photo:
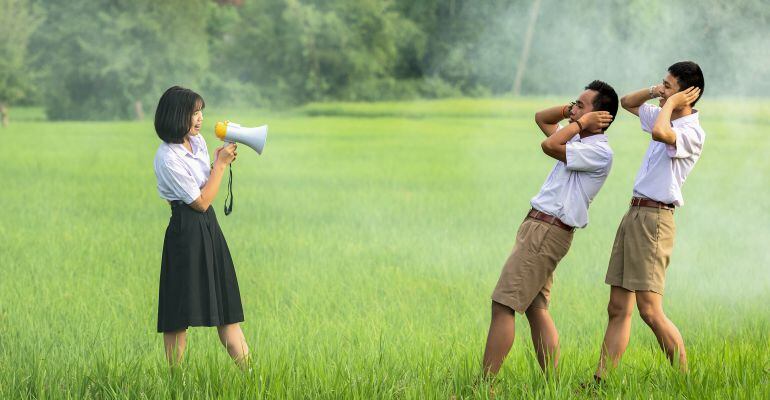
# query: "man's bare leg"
618,333
650,306
500,338
545,337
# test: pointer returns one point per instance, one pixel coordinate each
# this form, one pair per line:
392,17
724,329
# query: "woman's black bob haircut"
173,117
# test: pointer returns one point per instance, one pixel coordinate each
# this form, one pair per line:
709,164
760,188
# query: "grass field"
367,240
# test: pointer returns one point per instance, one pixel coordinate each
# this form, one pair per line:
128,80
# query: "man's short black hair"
688,74
606,99
173,117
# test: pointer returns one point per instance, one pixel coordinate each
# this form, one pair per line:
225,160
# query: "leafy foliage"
109,59
18,20
100,59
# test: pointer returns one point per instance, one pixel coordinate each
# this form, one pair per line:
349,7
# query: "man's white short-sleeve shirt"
665,167
571,186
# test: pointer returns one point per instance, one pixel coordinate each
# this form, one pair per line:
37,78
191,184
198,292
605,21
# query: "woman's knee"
228,329
175,335
230,333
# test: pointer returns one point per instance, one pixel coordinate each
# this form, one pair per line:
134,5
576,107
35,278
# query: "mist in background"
99,59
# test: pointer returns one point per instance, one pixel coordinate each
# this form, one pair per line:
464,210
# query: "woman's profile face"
195,124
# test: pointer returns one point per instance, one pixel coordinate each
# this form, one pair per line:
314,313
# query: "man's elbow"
658,133
624,103
663,135
546,146
554,150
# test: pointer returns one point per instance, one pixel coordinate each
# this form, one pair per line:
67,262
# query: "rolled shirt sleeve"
689,142
648,113
586,157
179,180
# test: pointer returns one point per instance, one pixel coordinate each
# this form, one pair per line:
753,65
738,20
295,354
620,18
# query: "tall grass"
367,244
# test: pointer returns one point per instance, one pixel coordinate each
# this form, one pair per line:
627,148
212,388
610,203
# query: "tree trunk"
3,114
525,51
138,111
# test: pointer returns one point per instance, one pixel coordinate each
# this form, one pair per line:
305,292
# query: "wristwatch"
652,93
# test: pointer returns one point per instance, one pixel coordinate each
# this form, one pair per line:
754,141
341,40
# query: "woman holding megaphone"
198,286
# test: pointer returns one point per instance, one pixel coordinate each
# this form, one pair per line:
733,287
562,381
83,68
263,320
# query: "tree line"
111,59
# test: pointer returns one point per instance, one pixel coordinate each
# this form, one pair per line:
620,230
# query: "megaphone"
252,137
234,133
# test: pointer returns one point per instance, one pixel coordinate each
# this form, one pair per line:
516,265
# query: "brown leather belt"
539,215
640,202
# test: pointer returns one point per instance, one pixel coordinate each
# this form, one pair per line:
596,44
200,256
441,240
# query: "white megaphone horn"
232,132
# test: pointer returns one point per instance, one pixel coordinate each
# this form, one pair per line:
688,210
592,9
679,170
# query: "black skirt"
198,286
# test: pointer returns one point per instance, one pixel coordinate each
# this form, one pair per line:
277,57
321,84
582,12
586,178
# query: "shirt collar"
181,151
594,138
686,120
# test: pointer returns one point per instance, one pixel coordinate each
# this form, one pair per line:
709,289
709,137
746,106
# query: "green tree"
109,59
298,51
17,23
472,45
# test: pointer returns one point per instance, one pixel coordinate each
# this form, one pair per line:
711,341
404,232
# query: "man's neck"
584,134
683,112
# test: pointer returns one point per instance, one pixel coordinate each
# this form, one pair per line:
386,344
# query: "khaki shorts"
642,249
527,275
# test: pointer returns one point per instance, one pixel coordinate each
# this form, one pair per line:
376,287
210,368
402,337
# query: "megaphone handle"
229,208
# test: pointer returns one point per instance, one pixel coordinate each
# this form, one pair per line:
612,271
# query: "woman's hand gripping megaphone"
226,154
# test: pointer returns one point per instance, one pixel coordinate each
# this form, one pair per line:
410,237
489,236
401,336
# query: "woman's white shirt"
181,174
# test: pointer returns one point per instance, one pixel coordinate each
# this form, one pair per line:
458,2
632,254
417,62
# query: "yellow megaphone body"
232,132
